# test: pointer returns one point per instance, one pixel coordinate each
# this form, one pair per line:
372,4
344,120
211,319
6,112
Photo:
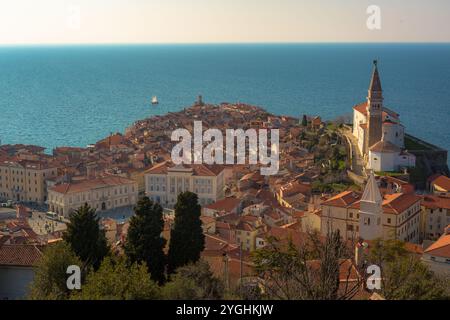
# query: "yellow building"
25,180
435,216
294,194
102,194
394,216
138,175
246,235
165,181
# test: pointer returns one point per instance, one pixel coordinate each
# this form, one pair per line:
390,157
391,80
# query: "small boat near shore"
155,100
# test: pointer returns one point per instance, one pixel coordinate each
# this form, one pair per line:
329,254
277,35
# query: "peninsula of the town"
362,184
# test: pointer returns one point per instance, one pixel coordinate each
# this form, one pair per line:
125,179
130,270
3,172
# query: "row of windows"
87,196
17,180
18,188
440,210
20,172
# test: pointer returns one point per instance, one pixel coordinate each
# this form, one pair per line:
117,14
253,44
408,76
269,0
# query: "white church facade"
379,132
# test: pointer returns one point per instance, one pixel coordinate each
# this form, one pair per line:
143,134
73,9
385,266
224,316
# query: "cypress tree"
85,237
144,240
186,238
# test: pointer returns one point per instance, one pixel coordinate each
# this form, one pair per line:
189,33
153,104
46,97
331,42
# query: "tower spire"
371,211
375,82
371,191
374,110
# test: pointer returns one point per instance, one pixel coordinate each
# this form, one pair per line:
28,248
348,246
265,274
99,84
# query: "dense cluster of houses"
241,209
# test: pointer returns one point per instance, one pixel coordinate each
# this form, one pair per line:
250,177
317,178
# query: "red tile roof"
385,146
435,202
399,202
227,204
197,169
25,255
66,188
442,182
362,108
343,199
441,247
215,245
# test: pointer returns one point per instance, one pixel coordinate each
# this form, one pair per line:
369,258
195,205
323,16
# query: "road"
357,158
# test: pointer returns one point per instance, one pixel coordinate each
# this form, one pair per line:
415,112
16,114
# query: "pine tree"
85,237
144,241
186,238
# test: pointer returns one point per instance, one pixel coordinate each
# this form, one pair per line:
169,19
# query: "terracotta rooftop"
435,202
384,146
216,245
75,187
441,247
197,169
442,182
24,255
227,204
362,108
343,199
399,202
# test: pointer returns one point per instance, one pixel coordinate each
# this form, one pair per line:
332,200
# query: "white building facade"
165,181
380,135
104,193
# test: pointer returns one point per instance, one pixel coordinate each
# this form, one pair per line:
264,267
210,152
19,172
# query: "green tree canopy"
50,281
186,238
404,276
115,280
193,282
144,240
85,237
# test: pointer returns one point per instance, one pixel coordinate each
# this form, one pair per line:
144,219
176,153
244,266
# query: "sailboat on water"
154,100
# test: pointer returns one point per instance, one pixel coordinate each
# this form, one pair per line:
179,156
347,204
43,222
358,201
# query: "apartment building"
440,185
437,256
165,181
25,180
373,215
435,216
103,193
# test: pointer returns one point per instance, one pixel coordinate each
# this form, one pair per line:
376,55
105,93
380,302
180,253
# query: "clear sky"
208,21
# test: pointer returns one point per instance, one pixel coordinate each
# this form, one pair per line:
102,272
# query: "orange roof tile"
66,188
227,204
441,247
343,199
397,203
25,255
442,182
435,202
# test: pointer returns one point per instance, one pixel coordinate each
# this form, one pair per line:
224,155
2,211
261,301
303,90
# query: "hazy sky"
205,21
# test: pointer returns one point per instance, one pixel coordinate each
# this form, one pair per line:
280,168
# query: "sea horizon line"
119,44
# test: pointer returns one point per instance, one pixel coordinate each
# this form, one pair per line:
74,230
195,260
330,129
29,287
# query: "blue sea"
76,95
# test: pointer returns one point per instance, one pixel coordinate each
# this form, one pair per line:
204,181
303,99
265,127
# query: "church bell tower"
371,211
374,110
